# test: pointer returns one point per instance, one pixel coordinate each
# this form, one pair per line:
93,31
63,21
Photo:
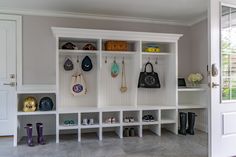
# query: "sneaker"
85,121
91,121
109,120
113,120
126,120
131,119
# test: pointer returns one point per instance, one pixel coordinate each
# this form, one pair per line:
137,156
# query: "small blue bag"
46,104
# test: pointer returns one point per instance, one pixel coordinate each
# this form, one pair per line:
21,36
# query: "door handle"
213,85
12,84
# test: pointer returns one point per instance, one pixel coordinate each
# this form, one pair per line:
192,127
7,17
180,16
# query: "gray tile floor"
168,145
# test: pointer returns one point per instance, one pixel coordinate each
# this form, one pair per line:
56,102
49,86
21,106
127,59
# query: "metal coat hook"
148,59
123,61
77,59
114,59
106,59
156,61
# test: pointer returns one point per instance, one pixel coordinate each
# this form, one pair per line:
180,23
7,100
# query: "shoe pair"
183,123
111,120
148,118
129,132
29,131
129,120
88,121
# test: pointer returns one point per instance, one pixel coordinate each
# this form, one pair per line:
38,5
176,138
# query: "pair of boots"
183,123
29,130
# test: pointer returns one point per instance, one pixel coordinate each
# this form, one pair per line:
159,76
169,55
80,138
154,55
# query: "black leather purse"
149,79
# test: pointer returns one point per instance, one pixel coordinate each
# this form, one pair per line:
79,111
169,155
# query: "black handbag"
148,79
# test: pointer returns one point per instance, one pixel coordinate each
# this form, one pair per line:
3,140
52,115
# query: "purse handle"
148,63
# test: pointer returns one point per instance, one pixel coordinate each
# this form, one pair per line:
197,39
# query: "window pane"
226,89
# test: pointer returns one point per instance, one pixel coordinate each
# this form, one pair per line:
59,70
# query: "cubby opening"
67,99
201,119
89,119
168,116
111,132
68,135
48,121
90,134
150,116
131,131
193,99
38,97
111,117
165,67
132,45
80,43
164,47
131,117
171,127
69,120
151,129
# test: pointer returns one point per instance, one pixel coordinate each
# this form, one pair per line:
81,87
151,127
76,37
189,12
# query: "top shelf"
156,53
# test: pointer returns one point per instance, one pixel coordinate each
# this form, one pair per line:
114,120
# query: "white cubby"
168,116
110,132
90,134
90,115
131,114
68,117
137,130
154,113
38,97
154,128
110,114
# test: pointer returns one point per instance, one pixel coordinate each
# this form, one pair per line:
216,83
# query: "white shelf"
76,52
131,124
68,127
168,121
120,52
191,106
149,123
21,113
89,126
156,53
189,89
110,124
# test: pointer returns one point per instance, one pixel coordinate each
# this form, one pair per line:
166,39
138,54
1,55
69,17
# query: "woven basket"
116,46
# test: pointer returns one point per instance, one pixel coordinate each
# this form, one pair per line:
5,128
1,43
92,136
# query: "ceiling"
179,11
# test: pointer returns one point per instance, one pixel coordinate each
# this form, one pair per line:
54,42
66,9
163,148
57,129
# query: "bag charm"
68,64
78,85
123,87
87,64
115,69
149,79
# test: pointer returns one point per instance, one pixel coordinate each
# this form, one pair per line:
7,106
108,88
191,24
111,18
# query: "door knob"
12,84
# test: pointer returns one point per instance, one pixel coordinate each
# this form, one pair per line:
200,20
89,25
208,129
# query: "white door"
7,76
222,57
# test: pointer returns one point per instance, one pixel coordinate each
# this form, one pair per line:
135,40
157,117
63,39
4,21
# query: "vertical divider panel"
57,128
121,123
79,128
99,63
159,119
100,126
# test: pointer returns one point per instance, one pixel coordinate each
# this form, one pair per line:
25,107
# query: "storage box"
116,46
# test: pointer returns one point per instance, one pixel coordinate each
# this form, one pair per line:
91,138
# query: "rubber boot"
131,132
126,132
183,123
40,133
29,130
191,122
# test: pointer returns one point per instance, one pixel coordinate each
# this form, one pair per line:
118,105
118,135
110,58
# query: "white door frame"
216,113
18,20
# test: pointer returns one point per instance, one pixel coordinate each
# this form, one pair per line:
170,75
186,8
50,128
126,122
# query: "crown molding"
91,16
197,20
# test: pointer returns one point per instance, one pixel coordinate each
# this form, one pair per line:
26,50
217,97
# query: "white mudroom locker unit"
104,98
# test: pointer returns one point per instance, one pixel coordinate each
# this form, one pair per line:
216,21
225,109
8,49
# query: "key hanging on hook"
106,59
156,61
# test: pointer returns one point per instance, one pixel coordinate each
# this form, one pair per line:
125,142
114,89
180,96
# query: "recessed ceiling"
182,11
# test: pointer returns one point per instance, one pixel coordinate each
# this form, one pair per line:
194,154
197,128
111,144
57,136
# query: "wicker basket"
116,46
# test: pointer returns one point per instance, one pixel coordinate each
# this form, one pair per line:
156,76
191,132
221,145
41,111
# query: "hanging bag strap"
123,81
148,63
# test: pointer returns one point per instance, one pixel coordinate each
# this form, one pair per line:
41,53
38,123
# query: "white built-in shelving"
104,99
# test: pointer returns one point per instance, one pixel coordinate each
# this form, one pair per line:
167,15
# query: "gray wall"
199,48
39,43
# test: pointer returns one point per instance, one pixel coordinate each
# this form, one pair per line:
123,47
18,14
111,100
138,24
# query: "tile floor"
167,145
